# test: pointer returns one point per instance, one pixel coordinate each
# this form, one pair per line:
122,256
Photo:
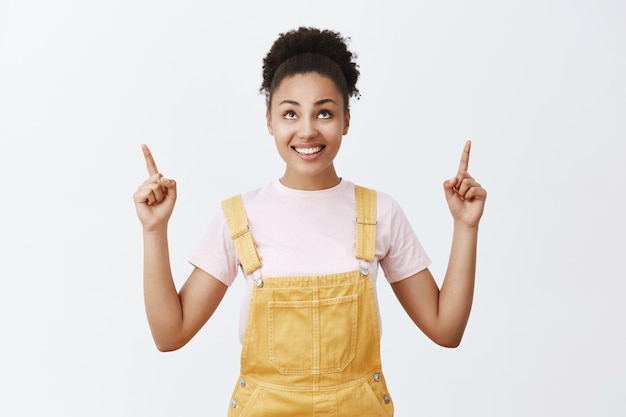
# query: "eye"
290,115
325,114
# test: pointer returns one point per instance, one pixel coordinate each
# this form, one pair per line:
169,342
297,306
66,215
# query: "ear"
268,120
346,124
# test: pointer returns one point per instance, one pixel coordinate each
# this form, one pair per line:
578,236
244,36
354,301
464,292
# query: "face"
308,120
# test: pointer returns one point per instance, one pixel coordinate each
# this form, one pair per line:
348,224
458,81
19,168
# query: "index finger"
150,164
463,165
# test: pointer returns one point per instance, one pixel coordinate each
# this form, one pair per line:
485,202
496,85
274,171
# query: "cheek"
334,131
279,131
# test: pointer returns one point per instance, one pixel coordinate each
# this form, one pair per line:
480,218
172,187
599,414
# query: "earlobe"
346,124
268,119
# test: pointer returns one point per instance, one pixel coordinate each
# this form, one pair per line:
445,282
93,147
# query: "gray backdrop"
539,86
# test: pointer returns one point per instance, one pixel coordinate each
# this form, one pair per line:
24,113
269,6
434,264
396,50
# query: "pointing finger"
464,164
150,164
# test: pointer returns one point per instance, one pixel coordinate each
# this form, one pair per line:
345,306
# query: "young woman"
309,324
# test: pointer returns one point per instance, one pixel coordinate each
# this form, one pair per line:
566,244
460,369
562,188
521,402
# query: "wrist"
463,227
155,231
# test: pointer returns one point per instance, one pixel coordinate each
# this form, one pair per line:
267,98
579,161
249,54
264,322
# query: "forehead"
310,85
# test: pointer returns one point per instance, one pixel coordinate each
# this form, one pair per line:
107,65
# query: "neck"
310,183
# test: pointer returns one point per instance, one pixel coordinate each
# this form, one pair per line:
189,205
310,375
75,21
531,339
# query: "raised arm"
443,314
174,317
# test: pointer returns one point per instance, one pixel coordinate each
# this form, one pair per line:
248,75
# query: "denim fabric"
312,343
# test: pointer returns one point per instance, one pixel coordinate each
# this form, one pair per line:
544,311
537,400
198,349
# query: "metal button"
364,266
259,282
233,403
376,377
242,382
387,399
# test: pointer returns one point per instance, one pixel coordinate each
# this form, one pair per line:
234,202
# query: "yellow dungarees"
312,343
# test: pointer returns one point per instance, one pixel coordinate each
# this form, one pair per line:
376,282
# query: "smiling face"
307,119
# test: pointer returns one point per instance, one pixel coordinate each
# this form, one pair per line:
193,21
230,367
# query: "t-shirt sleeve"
216,252
404,255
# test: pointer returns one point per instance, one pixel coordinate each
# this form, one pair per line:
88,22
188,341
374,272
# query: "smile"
308,151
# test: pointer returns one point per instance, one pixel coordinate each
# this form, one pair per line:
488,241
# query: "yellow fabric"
240,233
312,343
365,223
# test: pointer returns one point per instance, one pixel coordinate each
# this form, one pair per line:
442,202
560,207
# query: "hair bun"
311,40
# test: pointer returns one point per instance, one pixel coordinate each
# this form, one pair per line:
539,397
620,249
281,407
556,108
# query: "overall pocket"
313,336
380,398
243,398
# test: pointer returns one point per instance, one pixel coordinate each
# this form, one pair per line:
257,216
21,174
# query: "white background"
539,86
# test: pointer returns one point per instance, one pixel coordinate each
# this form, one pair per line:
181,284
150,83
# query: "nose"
307,129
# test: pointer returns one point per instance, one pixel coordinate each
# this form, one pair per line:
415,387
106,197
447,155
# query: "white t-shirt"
300,233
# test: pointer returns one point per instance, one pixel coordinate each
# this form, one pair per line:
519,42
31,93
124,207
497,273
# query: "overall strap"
365,223
240,233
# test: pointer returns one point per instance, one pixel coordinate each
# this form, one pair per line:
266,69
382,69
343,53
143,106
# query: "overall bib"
312,343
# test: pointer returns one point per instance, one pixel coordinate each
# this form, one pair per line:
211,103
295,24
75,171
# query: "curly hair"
308,50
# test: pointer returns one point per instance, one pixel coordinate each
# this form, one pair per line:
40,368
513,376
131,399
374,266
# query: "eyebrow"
317,103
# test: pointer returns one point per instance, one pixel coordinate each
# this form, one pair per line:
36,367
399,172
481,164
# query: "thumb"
448,187
170,185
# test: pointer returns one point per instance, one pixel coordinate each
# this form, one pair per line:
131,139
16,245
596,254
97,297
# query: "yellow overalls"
312,343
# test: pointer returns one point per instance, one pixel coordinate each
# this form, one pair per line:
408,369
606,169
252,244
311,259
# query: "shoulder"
252,197
251,194
385,202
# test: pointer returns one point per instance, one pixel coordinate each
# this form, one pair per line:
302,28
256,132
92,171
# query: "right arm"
174,317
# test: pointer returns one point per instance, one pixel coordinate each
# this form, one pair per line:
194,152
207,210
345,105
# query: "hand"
155,198
466,198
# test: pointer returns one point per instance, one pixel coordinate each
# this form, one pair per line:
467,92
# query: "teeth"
308,151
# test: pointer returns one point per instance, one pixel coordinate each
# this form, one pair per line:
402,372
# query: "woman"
309,326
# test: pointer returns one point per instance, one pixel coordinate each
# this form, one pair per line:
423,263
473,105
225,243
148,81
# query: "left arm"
442,314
